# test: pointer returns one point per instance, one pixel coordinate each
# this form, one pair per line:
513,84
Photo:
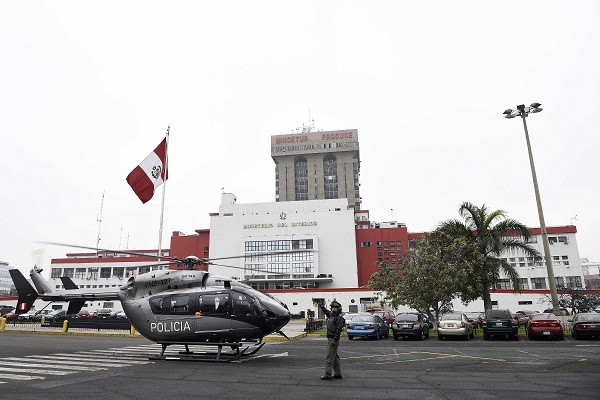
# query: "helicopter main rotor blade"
270,253
247,269
109,250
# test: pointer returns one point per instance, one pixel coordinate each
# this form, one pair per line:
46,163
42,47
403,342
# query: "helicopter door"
214,311
245,313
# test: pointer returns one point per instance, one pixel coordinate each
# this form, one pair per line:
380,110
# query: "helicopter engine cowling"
154,282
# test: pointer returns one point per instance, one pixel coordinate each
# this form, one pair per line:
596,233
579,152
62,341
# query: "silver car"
455,324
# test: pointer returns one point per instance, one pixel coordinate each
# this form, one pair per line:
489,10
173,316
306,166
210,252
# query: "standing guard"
335,325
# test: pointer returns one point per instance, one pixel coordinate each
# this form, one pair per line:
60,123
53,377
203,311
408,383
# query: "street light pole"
523,112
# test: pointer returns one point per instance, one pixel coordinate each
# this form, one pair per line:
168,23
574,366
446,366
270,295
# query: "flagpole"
162,207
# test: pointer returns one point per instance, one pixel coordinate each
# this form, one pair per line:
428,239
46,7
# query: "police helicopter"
177,306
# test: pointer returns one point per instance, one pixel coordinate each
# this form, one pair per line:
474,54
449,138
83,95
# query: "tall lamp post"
523,112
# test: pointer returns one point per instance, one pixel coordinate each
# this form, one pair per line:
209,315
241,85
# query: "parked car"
561,311
500,323
521,318
475,318
85,314
528,313
586,324
410,325
121,314
545,325
103,313
367,325
11,316
387,316
56,315
455,324
41,313
28,316
6,310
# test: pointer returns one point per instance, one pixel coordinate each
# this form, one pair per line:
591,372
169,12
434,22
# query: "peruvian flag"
150,174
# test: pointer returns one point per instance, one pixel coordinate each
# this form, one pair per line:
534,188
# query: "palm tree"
493,233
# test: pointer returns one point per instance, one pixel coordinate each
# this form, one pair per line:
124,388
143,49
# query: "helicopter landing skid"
239,349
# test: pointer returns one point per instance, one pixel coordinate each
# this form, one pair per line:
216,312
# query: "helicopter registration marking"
158,282
171,326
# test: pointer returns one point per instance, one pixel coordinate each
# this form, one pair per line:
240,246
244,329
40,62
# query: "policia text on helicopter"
335,325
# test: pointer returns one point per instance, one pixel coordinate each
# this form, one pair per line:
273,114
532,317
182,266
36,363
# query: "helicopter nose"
279,318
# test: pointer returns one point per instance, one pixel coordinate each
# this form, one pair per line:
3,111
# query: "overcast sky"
87,90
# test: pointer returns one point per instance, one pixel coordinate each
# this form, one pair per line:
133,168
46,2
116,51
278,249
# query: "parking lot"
69,366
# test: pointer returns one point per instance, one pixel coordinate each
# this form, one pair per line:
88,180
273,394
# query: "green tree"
577,300
493,233
441,269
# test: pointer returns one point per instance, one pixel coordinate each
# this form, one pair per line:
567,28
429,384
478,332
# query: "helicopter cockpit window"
213,304
243,306
156,304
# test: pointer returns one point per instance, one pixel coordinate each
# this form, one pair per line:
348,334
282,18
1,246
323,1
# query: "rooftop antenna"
99,220
573,219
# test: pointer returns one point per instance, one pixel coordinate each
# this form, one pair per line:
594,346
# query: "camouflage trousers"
332,362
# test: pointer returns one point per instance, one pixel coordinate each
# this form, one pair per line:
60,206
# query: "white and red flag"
150,174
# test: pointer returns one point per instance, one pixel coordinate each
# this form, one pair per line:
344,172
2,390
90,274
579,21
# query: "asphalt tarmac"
34,366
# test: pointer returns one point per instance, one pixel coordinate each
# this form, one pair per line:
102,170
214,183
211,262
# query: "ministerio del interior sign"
280,225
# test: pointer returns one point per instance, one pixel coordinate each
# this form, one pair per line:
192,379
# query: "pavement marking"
442,355
533,354
91,357
20,377
19,363
80,361
420,359
37,371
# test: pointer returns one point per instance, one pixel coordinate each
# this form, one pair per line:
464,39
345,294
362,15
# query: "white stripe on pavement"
57,360
91,357
20,377
37,371
50,365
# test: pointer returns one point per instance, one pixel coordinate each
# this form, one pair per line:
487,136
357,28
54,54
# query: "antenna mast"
99,220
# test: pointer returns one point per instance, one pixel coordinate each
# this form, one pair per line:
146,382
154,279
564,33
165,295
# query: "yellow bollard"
65,326
2,324
132,331
43,321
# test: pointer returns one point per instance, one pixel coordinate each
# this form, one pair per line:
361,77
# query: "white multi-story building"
322,232
566,263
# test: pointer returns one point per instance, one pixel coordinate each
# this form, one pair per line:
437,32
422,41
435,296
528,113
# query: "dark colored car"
367,325
545,325
410,325
500,323
6,310
586,324
103,313
56,316
387,316
11,316
522,319
475,318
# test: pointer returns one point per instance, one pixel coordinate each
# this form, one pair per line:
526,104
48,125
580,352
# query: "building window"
538,283
79,273
573,282
118,272
503,284
105,272
301,178
330,177
56,273
93,273
68,272
523,284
